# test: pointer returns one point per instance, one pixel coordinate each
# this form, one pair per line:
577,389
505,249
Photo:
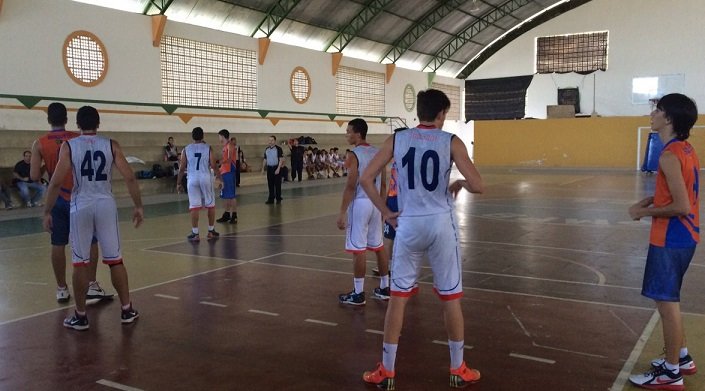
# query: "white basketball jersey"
423,160
364,154
199,159
92,164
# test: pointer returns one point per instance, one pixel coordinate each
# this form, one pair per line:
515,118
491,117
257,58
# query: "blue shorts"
388,231
61,221
665,268
228,190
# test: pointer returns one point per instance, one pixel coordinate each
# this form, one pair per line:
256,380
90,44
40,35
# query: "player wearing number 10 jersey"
426,226
93,210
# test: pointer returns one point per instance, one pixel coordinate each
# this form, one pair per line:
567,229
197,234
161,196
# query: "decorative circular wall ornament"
409,98
300,85
85,58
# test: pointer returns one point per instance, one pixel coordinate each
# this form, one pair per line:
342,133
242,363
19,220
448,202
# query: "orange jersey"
678,231
392,191
50,145
227,163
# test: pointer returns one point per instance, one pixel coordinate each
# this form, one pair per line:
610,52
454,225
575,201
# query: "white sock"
384,281
211,227
359,284
389,355
456,353
194,230
684,352
672,367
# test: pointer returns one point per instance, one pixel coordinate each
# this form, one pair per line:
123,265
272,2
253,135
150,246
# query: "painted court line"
568,351
532,358
371,331
445,343
321,322
263,312
117,386
167,296
212,304
628,367
35,283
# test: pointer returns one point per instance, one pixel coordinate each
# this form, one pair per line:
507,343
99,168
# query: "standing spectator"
227,173
297,160
171,153
362,220
93,210
198,159
24,183
46,149
238,166
425,227
273,162
675,215
5,196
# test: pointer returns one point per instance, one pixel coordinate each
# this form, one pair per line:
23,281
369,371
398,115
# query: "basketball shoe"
463,376
659,378
380,377
686,364
352,298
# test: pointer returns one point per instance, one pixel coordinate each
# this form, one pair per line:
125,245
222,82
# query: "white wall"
646,38
34,31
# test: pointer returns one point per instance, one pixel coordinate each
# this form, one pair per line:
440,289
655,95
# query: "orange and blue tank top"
678,231
51,144
227,163
392,191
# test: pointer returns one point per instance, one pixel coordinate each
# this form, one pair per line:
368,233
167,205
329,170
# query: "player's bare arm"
35,164
349,191
367,180
670,166
183,161
133,188
473,181
63,168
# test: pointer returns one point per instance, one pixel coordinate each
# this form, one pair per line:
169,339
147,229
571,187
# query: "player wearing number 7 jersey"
425,225
93,210
197,159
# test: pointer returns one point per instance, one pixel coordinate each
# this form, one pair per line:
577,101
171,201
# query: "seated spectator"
244,167
333,163
5,196
24,183
171,153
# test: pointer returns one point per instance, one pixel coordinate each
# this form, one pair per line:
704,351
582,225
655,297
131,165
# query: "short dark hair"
87,118
359,126
682,112
274,137
224,132
197,133
56,114
429,103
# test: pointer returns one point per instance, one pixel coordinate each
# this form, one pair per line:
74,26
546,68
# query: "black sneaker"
279,201
269,202
352,298
129,315
213,234
382,294
225,218
77,322
193,237
233,218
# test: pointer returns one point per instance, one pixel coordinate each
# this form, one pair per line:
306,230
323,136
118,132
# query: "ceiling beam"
275,15
528,25
350,31
419,28
483,21
160,5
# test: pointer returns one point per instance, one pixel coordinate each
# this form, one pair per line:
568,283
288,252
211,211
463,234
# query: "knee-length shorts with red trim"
434,236
364,229
97,218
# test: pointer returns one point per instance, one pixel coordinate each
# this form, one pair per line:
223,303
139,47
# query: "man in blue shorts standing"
675,221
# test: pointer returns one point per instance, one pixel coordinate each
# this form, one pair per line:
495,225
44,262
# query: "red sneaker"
381,377
463,376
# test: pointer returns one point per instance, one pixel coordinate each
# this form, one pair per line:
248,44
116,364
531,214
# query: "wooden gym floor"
552,277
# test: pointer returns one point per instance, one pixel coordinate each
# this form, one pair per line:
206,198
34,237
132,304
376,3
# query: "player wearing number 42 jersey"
425,225
91,158
197,159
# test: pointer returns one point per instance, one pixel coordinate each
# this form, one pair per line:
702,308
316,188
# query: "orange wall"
609,142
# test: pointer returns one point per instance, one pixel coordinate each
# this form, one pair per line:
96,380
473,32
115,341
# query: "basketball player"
362,220
675,221
93,210
198,160
227,173
46,150
424,156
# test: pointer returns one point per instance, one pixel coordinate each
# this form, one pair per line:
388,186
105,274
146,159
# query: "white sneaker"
62,294
96,292
659,378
